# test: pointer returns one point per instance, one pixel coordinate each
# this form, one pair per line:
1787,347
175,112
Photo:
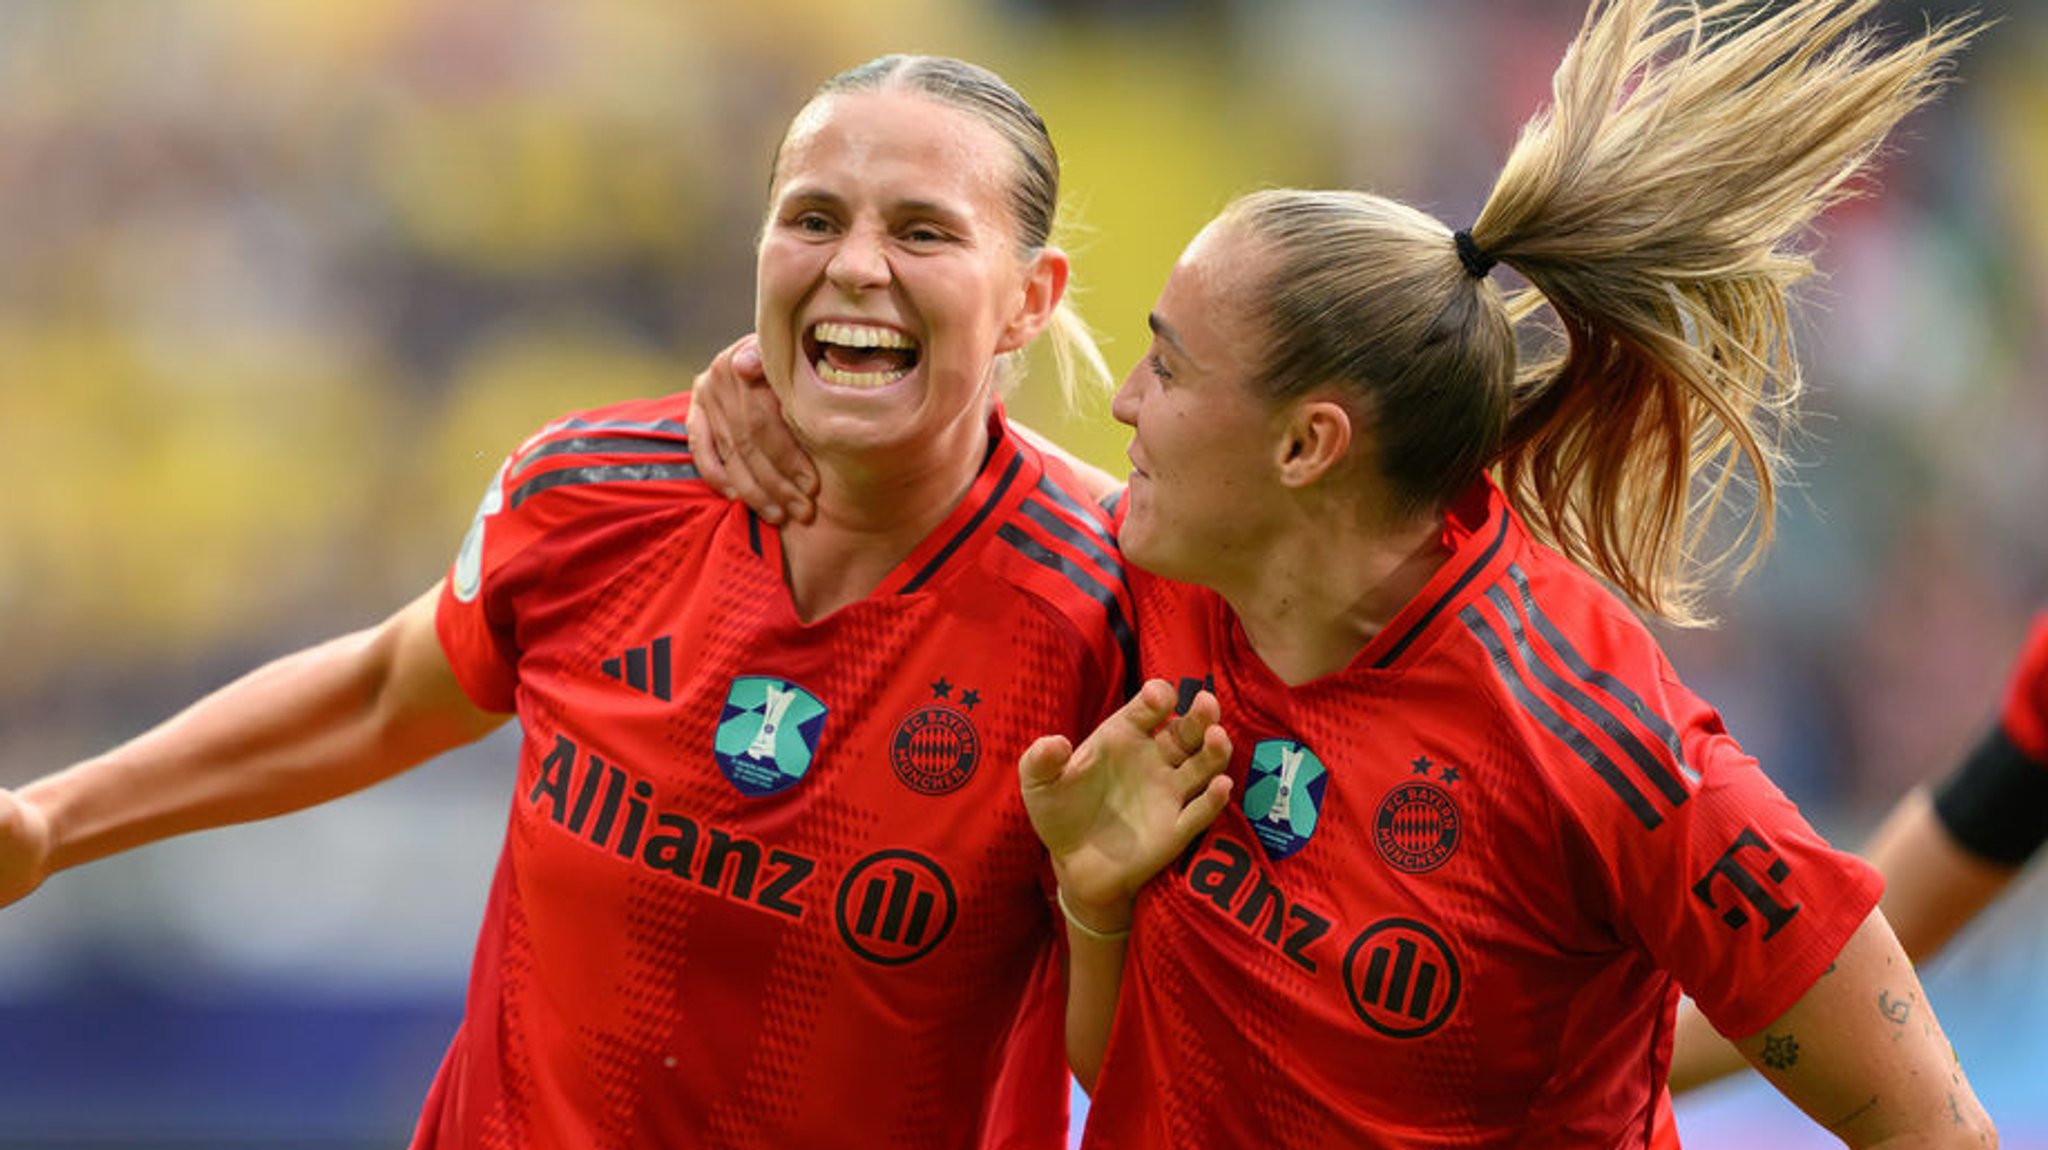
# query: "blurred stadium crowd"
280,283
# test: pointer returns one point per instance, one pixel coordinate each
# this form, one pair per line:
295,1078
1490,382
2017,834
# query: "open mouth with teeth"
859,355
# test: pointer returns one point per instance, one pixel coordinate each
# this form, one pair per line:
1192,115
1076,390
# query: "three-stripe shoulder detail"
664,442
1086,554
1555,685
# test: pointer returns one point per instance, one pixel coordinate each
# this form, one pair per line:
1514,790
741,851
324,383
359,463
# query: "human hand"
740,443
1114,811
24,847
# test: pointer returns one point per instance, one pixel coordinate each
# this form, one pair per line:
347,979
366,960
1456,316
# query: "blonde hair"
1653,209
1034,194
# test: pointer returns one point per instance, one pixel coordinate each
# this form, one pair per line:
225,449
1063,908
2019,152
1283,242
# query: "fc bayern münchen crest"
1417,826
934,750
768,734
1283,795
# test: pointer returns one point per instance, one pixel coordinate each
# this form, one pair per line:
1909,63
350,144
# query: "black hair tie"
1476,261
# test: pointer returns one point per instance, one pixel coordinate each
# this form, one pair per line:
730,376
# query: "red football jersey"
2025,714
767,883
1460,881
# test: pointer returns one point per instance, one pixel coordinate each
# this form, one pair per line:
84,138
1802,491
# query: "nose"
858,261
1123,406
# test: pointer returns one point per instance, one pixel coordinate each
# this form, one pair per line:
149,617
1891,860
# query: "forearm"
306,728
1112,813
1095,971
1863,1054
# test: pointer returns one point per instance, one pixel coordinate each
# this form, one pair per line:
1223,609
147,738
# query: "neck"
871,514
1320,593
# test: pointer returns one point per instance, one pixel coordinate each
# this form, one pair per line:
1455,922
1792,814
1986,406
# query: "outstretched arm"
1113,812
309,727
1863,1055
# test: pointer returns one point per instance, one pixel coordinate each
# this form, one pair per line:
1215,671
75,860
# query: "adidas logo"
644,669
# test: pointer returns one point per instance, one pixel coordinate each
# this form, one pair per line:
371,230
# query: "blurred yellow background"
282,280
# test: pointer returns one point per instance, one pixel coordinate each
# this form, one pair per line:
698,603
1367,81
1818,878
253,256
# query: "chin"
1137,542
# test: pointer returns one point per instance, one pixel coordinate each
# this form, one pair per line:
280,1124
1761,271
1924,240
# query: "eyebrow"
1165,331
820,197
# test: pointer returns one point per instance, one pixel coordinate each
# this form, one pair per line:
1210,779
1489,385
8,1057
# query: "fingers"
704,452
1206,766
1184,732
740,441
1044,761
1203,809
1193,744
788,475
712,414
1149,708
746,359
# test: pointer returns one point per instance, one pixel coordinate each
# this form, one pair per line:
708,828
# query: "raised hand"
1114,811
740,443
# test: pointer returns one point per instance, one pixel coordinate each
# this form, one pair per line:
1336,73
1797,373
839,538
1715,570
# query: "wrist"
1096,922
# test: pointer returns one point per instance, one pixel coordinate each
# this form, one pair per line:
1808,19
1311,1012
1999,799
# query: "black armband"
1996,802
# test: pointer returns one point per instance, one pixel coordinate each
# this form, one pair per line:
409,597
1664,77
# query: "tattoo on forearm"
1898,1010
1781,1051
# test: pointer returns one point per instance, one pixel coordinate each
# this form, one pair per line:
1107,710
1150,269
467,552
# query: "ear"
1045,284
1315,440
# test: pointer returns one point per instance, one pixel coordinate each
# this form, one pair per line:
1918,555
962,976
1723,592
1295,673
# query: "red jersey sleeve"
1719,878
2025,714
609,464
480,647
1766,903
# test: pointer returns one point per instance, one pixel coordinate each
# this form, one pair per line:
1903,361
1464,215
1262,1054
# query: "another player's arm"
1934,883
308,727
1863,1055
740,443
1112,813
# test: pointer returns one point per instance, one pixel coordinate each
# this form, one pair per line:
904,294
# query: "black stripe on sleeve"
1054,493
1079,532
1038,553
663,426
603,445
1588,708
1587,751
609,473
1616,690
